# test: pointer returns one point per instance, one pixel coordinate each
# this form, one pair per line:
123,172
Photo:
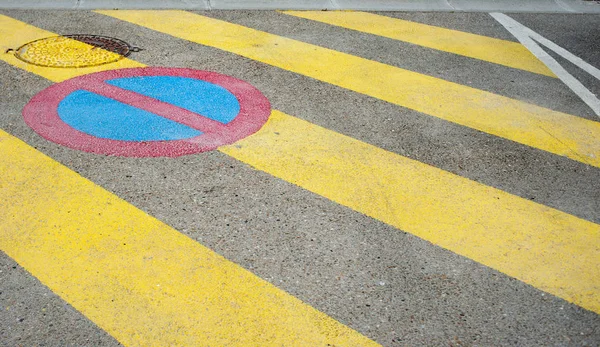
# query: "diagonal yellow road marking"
541,246
538,127
544,247
502,52
143,282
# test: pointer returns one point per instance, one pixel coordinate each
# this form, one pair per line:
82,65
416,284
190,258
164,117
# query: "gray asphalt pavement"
387,284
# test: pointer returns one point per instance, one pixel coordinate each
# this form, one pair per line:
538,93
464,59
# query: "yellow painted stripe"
507,53
138,279
547,248
535,126
544,247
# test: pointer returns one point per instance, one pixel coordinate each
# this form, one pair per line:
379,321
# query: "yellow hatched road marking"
559,133
138,279
143,282
544,247
507,53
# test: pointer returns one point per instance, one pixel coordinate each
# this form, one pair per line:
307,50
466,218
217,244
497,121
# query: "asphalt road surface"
421,179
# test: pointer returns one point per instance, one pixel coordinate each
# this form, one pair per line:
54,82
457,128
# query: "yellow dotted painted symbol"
72,51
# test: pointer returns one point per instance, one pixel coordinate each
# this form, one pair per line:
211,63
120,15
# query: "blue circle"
103,117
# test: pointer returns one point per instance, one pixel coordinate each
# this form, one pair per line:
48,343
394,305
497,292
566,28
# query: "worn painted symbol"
148,112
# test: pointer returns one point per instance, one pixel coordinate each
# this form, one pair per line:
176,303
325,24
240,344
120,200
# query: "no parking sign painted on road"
148,112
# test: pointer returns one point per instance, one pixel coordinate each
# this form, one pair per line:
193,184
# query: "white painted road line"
528,37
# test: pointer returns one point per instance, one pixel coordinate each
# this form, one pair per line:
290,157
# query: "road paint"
148,112
137,278
527,36
14,33
546,248
585,66
502,52
140,280
555,132
72,51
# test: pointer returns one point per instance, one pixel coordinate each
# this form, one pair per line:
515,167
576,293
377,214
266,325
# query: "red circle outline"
41,114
